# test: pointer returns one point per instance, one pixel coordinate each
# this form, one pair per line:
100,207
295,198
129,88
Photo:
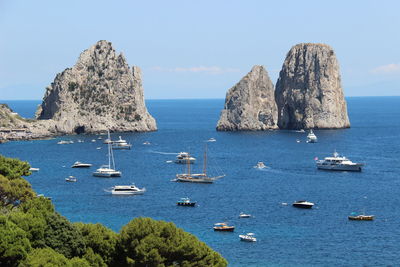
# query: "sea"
286,236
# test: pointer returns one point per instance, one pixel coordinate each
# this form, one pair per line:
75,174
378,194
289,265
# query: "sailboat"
106,170
197,177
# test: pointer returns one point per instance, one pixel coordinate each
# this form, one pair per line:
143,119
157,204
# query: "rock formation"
99,92
309,92
250,104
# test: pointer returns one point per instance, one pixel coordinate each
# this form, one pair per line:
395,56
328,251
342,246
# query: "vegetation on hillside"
32,233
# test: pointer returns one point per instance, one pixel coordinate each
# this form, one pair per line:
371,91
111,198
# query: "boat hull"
183,204
247,239
106,175
225,229
302,206
340,167
194,180
184,161
127,193
361,218
81,166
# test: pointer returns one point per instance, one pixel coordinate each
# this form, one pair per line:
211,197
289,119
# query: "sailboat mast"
188,163
109,150
205,161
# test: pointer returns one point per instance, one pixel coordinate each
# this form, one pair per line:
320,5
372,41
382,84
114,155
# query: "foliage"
144,241
14,244
94,259
63,236
100,239
13,168
34,227
14,191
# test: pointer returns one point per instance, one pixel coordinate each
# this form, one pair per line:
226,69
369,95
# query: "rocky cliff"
309,92
250,104
99,92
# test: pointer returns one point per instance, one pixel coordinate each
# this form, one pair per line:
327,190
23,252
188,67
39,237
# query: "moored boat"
127,190
361,217
108,170
260,165
338,163
185,202
184,158
78,164
244,215
223,227
249,237
34,169
303,204
311,137
71,179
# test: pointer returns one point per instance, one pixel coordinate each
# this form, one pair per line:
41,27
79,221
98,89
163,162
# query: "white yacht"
244,215
71,179
249,237
63,142
303,204
108,170
121,144
311,137
338,163
184,158
34,169
78,164
127,190
212,139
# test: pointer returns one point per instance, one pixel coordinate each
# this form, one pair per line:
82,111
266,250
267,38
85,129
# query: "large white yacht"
184,158
78,164
121,144
127,190
108,170
311,137
338,163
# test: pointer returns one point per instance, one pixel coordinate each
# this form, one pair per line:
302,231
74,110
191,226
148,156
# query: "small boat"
63,142
223,227
127,190
249,237
34,169
260,165
185,201
360,217
244,215
71,179
108,170
107,141
311,137
298,141
338,163
99,138
93,140
300,131
184,158
78,164
146,143
212,139
80,141
303,204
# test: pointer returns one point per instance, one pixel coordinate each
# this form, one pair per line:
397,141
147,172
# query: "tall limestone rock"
309,92
250,104
100,92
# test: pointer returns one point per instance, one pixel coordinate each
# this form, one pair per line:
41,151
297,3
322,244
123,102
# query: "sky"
197,49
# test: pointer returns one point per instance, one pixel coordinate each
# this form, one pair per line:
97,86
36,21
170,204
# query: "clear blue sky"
197,49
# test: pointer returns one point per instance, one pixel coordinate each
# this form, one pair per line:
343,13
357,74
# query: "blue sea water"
287,236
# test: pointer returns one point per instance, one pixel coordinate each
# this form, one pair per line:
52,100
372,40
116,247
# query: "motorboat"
185,201
303,204
93,140
121,144
212,139
127,190
119,141
34,169
249,237
78,164
71,179
197,177
223,227
338,163
80,141
260,165
146,143
108,170
311,137
244,215
64,142
360,217
184,158
300,131
107,141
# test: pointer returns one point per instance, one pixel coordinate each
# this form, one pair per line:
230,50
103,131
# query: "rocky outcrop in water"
99,92
250,104
309,92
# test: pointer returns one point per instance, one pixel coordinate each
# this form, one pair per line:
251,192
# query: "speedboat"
184,157
146,143
93,140
127,190
63,142
78,164
244,215
71,179
249,237
212,139
106,171
360,217
223,227
338,163
303,204
34,169
185,201
260,165
107,141
80,141
311,137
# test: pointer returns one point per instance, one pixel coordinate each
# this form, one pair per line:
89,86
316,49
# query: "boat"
249,237
300,131
303,204
121,144
34,169
63,142
260,165
146,143
78,164
107,141
93,140
108,170
127,190
185,201
223,227
338,163
80,141
360,217
197,177
71,179
244,215
212,139
184,158
99,138
311,137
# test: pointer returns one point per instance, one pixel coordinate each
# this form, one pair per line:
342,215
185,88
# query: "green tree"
34,227
146,242
13,168
94,259
14,191
14,244
100,239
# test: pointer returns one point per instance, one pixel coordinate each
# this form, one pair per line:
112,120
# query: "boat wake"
163,153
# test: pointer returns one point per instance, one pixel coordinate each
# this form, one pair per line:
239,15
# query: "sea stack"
99,92
309,92
250,104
